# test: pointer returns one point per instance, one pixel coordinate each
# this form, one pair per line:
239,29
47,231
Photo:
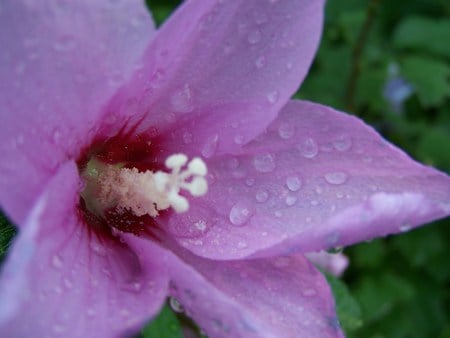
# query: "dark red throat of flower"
129,150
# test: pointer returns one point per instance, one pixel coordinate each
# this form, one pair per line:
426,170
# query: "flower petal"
61,279
60,62
234,64
334,263
277,297
315,179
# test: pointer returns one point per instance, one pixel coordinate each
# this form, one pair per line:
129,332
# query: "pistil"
143,193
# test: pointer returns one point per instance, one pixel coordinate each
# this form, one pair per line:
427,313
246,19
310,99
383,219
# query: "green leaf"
430,77
348,309
427,34
433,147
7,232
165,325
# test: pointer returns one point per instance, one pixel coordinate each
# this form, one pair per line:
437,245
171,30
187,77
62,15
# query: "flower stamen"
145,193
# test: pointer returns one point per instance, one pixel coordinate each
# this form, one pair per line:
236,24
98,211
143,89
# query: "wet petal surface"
59,64
315,179
62,280
279,297
218,71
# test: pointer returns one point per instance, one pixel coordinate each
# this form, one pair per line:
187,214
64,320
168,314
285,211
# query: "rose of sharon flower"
140,164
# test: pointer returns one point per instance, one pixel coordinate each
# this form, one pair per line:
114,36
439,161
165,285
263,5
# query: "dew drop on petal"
260,17
262,195
290,200
405,227
293,183
309,292
342,143
264,163
187,137
56,135
242,245
175,305
260,62
336,177
240,213
210,147
286,130
239,139
57,261
91,312
58,328
64,43
254,37
250,181
308,148
181,100
272,97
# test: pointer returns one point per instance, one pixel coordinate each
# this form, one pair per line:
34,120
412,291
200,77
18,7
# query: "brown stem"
357,53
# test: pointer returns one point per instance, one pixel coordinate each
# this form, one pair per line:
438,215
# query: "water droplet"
240,213
232,163
64,43
293,183
336,177
250,181
286,130
91,312
278,214
239,139
175,305
308,148
405,227
254,36
58,328
260,62
57,261
264,163
272,97
187,137
336,250
98,248
262,195
342,143
290,200
20,68
242,245
134,286
20,139
314,202
260,17
67,283
181,101
309,292
209,149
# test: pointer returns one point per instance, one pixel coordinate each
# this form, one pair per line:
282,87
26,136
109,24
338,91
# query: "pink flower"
88,82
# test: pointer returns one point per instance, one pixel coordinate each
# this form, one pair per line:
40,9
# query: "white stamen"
148,192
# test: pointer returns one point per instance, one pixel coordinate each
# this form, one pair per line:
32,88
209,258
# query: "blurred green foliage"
165,325
396,287
401,283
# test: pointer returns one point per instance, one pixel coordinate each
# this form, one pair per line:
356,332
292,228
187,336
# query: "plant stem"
357,53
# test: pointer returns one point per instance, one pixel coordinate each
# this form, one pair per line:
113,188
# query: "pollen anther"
149,192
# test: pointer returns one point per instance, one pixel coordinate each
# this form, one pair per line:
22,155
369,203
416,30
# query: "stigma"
143,192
